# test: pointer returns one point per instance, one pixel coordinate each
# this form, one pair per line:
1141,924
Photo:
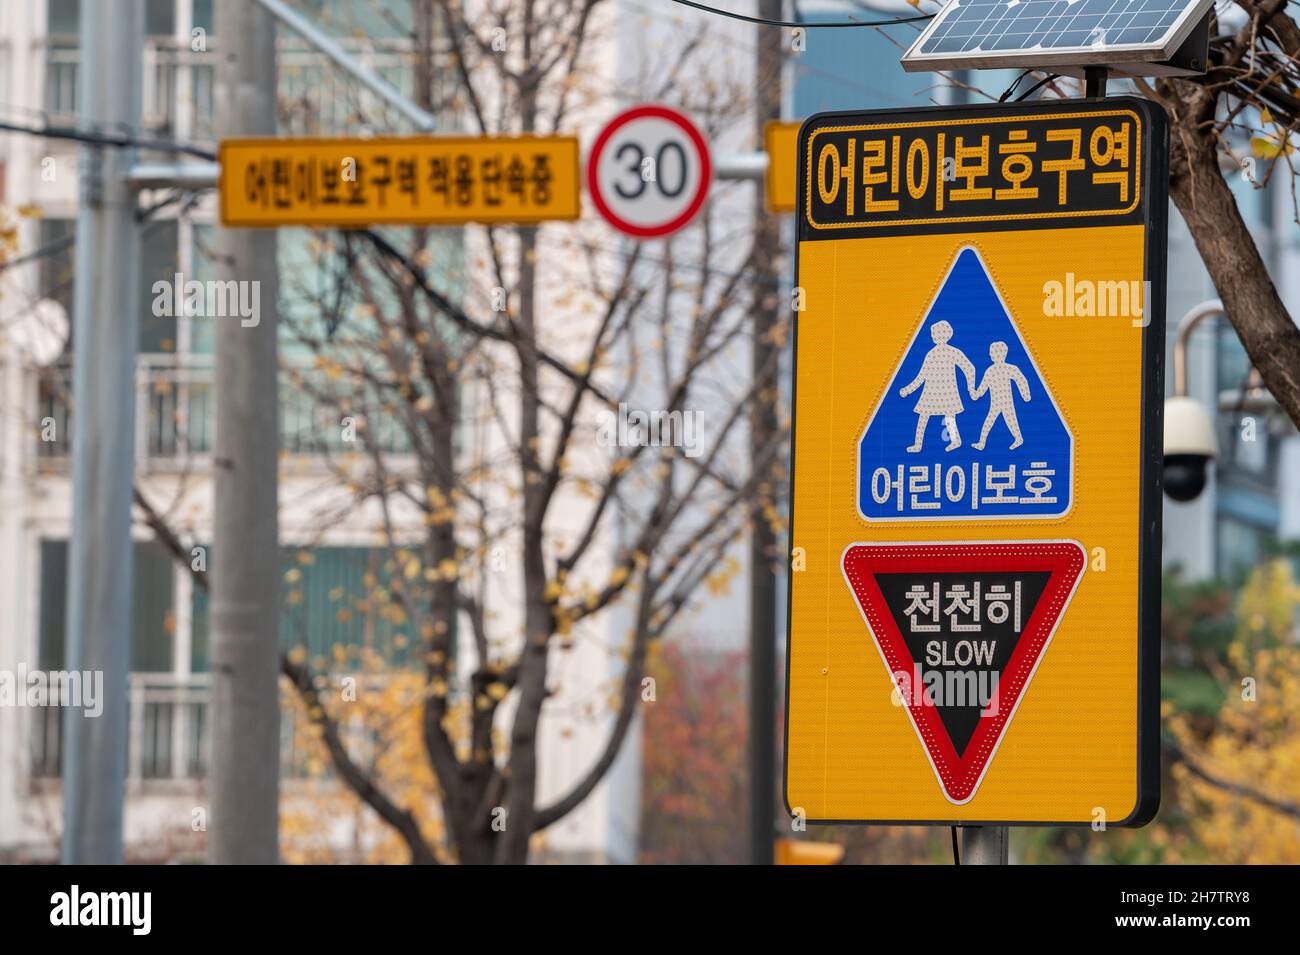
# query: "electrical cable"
1012,88
51,248
1037,86
103,139
763,21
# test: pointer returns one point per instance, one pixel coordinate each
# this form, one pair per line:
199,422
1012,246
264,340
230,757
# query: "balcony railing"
178,82
168,734
176,422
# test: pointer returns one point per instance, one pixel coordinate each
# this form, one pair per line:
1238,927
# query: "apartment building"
168,693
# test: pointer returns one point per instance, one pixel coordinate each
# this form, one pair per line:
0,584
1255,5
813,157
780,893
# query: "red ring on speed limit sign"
702,157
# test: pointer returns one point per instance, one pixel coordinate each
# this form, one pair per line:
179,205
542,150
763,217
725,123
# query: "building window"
153,617
1240,547
64,17
1249,450
202,16
158,261
331,597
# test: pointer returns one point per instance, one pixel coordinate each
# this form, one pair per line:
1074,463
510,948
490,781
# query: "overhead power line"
107,139
764,21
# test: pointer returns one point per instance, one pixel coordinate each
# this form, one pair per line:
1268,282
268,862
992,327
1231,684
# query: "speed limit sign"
649,171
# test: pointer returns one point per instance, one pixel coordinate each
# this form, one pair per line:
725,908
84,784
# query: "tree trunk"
512,845
1265,328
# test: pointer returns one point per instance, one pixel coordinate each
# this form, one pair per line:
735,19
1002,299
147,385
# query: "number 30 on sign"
649,171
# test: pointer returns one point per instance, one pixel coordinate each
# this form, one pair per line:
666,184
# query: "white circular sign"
648,173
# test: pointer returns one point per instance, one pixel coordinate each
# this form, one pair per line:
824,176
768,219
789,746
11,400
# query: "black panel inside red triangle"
961,667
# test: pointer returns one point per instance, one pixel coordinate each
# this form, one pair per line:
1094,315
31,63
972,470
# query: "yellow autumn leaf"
1268,147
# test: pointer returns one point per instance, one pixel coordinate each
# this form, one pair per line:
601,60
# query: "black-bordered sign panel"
978,386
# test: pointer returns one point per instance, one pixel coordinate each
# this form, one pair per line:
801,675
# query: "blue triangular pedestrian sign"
967,428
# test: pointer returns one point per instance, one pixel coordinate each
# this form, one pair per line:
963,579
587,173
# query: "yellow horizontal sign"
781,143
427,180
899,175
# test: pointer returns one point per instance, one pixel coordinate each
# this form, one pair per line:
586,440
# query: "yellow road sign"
438,180
974,591
780,141
807,852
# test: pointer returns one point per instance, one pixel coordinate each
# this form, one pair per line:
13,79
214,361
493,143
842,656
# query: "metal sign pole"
423,120
105,332
984,845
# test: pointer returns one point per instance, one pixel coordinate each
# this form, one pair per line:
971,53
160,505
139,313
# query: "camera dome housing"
1189,447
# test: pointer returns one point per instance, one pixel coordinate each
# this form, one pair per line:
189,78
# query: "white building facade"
174,430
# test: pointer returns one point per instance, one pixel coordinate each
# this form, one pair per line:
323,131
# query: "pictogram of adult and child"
941,395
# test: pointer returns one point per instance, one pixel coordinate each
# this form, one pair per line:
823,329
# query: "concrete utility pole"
106,317
243,822
763,430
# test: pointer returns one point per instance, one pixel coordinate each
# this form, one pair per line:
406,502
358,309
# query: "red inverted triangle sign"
961,628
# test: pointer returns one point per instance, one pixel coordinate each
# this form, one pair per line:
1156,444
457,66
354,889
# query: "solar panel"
995,33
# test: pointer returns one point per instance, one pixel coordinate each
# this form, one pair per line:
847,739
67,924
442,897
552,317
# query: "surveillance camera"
1190,445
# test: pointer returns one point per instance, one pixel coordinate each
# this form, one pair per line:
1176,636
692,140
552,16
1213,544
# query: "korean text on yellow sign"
438,180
